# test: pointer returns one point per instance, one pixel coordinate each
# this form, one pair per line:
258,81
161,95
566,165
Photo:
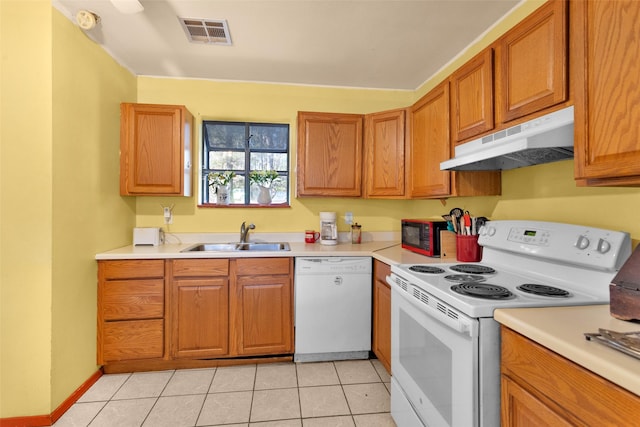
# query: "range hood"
542,140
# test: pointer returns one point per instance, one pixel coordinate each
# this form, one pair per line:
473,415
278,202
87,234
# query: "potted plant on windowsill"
221,180
264,179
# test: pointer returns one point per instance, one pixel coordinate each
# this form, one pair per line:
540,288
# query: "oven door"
434,354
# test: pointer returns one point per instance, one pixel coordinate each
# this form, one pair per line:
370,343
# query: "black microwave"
422,236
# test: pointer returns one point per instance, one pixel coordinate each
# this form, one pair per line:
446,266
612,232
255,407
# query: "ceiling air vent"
206,31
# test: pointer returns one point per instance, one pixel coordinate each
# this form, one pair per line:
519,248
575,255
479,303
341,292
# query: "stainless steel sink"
233,247
263,246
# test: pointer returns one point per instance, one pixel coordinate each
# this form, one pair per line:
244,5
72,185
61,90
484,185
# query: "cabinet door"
263,318
329,154
200,323
155,150
472,97
384,154
532,63
521,409
430,145
605,47
382,315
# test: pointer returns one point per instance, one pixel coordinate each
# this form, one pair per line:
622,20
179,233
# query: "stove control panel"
530,236
566,243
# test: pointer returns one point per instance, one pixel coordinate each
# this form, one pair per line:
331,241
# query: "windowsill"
271,206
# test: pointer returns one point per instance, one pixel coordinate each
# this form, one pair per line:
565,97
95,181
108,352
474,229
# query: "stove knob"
603,246
582,243
491,231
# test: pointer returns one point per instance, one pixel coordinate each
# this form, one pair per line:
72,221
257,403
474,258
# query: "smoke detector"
207,31
87,20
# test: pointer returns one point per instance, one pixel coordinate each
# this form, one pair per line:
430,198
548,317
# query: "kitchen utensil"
480,221
626,342
467,222
456,212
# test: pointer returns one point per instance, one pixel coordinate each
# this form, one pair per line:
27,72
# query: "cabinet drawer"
131,269
257,266
132,340
132,299
381,271
200,267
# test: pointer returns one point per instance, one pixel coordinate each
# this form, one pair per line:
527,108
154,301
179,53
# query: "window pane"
269,161
236,190
226,160
265,137
225,135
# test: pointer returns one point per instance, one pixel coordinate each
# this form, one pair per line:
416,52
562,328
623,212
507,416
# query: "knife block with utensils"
624,290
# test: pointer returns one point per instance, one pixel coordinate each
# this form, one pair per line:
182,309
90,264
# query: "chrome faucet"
244,231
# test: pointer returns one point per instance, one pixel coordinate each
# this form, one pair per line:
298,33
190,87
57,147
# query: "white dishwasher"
332,308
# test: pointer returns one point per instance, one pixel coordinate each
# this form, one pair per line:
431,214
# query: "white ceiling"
383,44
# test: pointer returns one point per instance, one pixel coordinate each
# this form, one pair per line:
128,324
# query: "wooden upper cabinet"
384,148
155,150
472,97
329,154
429,145
531,63
605,48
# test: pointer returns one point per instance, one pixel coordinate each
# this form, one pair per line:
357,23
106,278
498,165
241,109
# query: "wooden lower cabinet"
200,308
542,388
382,314
262,306
165,314
131,309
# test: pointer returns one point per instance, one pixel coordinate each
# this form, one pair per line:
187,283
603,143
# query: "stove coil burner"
482,290
543,290
472,269
465,278
426,269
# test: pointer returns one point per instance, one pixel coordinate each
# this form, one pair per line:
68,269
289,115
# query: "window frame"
247,151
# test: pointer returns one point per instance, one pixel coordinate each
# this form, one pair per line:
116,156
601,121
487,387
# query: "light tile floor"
324,394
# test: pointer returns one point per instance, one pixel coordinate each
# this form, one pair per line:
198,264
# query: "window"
244,148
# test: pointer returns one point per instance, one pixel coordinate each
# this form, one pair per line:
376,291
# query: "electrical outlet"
348,218
168,216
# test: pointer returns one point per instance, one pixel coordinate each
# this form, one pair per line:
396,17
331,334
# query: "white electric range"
445,342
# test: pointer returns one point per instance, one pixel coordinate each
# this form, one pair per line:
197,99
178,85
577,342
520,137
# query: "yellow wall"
59,202
26,205
89,216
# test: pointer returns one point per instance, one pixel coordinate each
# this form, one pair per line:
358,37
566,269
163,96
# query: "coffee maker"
328,228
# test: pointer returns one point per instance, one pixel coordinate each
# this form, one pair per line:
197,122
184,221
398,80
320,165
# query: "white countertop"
297,249
562,329
387,249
